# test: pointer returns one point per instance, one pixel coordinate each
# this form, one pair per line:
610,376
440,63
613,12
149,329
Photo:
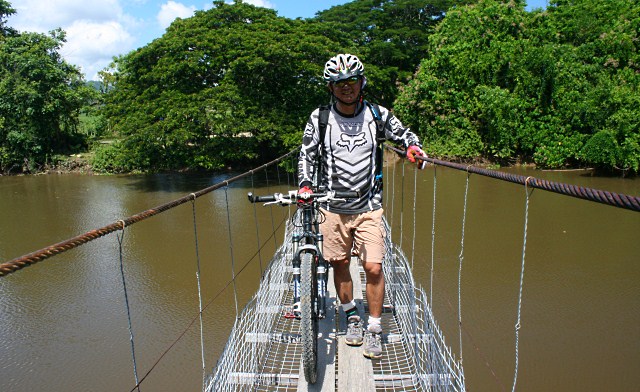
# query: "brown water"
63,322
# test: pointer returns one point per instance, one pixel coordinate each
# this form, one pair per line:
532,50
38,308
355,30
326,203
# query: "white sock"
349,305
373,321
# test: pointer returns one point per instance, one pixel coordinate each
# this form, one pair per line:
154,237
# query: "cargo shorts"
353,234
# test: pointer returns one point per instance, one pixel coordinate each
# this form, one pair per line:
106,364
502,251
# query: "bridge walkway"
264,350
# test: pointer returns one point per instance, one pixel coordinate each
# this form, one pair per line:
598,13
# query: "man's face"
347,90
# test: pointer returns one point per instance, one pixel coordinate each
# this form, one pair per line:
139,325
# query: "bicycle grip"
348,194
260,199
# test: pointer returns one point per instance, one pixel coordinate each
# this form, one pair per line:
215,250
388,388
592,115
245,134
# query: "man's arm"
308,160
397,133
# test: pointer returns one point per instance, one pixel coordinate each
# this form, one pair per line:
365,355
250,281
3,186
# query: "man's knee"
373,271
340,264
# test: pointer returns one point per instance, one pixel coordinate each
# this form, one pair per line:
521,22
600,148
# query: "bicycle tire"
309,317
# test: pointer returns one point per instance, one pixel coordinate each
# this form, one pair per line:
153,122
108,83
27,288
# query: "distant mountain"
95,84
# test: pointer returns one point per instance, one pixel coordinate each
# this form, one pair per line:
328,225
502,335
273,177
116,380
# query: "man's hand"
304,193
413,152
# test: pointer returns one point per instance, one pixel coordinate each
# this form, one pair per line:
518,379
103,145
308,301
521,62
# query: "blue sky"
98,30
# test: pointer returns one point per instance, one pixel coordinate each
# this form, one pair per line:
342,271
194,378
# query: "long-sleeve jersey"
348,155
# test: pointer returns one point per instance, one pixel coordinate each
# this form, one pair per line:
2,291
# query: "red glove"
413,152
304,193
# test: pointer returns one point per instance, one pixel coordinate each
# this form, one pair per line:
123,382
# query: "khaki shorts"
358,234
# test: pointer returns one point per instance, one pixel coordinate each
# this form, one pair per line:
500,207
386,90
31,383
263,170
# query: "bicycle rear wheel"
309,317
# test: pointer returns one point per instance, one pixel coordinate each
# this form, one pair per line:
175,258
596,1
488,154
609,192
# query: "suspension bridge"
263,350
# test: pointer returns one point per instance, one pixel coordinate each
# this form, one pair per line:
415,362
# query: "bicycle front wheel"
309,316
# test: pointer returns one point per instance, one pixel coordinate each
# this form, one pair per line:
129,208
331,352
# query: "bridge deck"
358,375
264,350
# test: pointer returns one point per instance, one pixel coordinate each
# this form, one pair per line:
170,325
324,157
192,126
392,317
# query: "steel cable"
19,263
605,197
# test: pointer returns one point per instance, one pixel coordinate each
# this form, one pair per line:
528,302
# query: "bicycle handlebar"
292,197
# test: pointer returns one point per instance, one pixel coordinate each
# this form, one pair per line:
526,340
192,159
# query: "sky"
98,30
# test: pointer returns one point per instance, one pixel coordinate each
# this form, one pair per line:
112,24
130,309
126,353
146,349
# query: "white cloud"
92,45
260,3
96,30
42,16
172,10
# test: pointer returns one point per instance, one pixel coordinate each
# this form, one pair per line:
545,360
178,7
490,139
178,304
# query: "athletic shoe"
373,345
354,331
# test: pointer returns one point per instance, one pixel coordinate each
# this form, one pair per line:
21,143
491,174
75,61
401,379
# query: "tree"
190,98
558,86
40,97
5,11
390,36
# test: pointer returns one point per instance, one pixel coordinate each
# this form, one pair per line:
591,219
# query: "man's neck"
347,110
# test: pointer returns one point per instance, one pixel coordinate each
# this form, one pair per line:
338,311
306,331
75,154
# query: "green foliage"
557,86
390,36
111,158
237,82
5,11
40,97
191,98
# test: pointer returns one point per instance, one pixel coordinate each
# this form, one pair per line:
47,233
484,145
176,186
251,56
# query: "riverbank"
81,164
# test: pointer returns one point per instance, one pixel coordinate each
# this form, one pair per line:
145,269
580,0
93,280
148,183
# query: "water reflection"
66,316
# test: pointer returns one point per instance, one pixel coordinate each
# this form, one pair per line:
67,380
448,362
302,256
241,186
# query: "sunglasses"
349,81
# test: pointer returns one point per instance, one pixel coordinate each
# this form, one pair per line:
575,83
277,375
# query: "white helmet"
342,66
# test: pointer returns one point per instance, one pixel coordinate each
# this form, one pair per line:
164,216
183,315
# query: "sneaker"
373,346
354,331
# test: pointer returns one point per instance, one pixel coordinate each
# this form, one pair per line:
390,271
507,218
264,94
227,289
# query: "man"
347,158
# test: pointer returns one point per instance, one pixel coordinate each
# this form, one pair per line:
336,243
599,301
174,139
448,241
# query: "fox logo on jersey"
352,141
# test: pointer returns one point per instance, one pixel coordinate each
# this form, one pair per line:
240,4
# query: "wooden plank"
326,347
355,373
268,379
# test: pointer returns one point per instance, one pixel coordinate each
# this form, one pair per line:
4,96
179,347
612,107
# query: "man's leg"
342,280
344,288
375,298
375,288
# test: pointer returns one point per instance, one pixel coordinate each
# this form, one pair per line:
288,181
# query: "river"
64,324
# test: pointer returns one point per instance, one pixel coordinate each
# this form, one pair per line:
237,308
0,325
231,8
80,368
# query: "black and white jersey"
348,155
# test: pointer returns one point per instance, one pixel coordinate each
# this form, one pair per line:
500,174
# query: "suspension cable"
600,196
19,263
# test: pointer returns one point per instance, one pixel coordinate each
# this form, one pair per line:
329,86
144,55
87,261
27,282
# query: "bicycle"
310,269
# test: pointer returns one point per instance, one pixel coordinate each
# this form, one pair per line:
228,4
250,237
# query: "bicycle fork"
322,275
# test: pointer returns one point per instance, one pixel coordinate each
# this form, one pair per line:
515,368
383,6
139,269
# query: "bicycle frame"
310,272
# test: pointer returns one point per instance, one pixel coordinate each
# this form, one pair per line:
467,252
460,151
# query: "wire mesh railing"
264,350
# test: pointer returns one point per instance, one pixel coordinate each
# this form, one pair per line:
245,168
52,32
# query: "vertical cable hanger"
393,196
433,234
402,202
273,224
415,197
120,238
460,259
233,268
524,248
195,235
255,218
